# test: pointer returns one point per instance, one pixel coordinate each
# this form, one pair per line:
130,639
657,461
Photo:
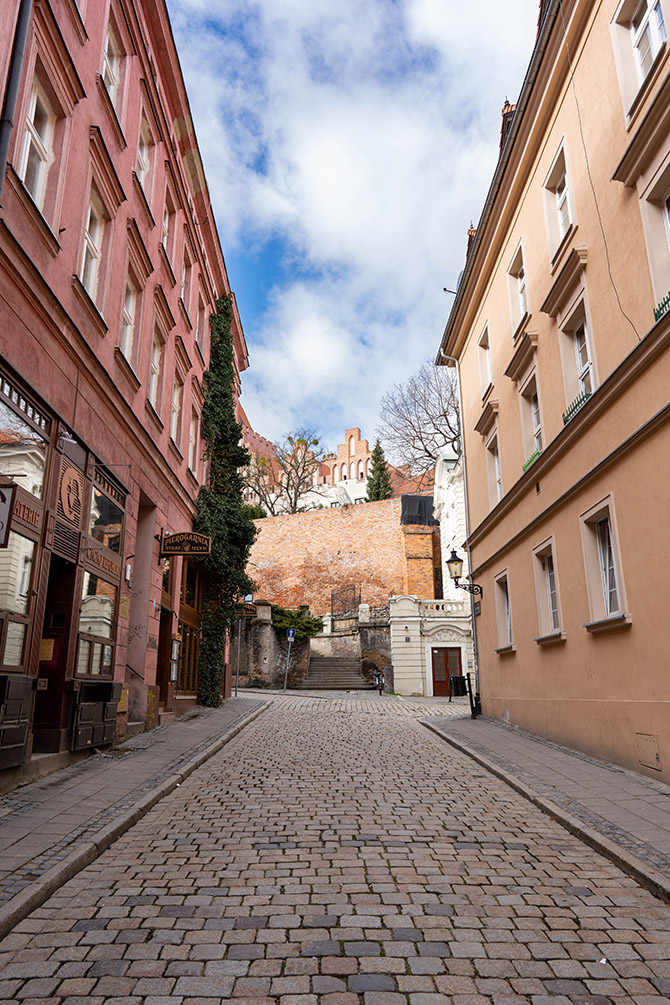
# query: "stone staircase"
334,673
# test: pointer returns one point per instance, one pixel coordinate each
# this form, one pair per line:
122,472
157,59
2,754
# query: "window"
602,566
144,156
37,153
92,252
503,612
518,291
168,224
111,66
531,419
546,592
648,33
185,284
493,470
97,623
193,441
175,414
155,371
16,562
128,320
583,358
557,204
200,322
484,354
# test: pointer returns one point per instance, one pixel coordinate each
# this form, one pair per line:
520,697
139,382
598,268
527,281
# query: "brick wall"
299,558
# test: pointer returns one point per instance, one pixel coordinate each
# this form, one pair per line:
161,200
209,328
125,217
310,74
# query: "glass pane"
190,597
106,522
83,656
167,575
15,566
22,452
33,171
16,636
97,657
107,659
98,607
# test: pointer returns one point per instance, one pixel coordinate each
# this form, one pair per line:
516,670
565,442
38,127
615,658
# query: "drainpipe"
475,652
13,80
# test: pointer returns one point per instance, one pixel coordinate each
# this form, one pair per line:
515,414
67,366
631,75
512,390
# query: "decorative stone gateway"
428,636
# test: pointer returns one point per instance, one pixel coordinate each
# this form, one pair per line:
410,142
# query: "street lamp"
455,566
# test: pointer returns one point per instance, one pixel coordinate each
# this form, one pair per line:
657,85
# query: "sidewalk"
624,815
53,827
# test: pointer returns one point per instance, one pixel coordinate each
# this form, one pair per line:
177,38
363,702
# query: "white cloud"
362,136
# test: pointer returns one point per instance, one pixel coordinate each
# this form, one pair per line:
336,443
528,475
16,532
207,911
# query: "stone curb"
643,873
36,893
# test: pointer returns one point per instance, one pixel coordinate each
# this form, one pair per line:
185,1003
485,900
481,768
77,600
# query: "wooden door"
446,662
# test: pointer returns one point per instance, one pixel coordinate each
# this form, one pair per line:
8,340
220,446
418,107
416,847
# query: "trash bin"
457,686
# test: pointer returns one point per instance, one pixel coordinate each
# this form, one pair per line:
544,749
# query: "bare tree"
281,482
420,418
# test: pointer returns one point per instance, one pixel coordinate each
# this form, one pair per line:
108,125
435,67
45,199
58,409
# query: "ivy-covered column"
221,512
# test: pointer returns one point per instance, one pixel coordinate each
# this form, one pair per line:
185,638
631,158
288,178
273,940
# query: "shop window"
602,565
106,520
97,625
23,449
190,586
16,564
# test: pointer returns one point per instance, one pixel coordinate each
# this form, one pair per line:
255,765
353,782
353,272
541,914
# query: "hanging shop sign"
7,493
186,542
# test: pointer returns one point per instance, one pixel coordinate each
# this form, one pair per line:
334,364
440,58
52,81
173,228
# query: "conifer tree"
221,512
379,479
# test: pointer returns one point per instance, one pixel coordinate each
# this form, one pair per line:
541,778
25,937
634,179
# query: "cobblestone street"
337,852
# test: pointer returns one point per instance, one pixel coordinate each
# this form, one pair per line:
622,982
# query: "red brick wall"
300,558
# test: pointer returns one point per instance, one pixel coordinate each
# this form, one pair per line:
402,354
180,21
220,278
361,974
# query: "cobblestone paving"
337,853
579,807
17,804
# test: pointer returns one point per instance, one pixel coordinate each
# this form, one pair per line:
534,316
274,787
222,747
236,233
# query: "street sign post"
290,635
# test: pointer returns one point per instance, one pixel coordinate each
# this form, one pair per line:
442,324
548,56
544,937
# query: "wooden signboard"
186,542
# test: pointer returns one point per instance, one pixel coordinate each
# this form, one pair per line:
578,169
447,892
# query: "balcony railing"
574,407
533,457
444,608
662,308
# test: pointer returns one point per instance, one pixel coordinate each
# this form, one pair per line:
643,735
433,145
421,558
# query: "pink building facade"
110,266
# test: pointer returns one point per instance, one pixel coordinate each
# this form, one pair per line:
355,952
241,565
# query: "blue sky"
347,145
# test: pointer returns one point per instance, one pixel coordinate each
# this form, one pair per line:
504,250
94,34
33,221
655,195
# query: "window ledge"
560,250
506,650
79,26
615,622
139,189
486,394
185,314
192,477
518,331
127,369
153,415
175,450
646,85
111,113
33,212
553,639
166,262
93,312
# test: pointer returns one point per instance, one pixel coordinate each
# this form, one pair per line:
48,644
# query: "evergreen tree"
379,479
221,512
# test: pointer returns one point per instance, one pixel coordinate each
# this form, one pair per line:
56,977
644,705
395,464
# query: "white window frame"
517,280
41,145
570,319
144,158
128,319
547,593
92,250
155,368
176,406
193,437
484,357
559,210
111,65
503,605
584,367
602,566
494,470
531,415
651,27
635,77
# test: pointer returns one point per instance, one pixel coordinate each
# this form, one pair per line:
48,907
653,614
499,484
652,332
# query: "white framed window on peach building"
550,622
639,37
517,284
603,568
487,427
503,607
484,360
559,209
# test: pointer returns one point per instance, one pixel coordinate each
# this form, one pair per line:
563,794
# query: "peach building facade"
561,332
110,266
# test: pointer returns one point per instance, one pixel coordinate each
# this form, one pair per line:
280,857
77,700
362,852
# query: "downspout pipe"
13,81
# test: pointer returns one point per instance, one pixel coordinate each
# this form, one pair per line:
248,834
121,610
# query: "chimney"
472,233
507,117
544,6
